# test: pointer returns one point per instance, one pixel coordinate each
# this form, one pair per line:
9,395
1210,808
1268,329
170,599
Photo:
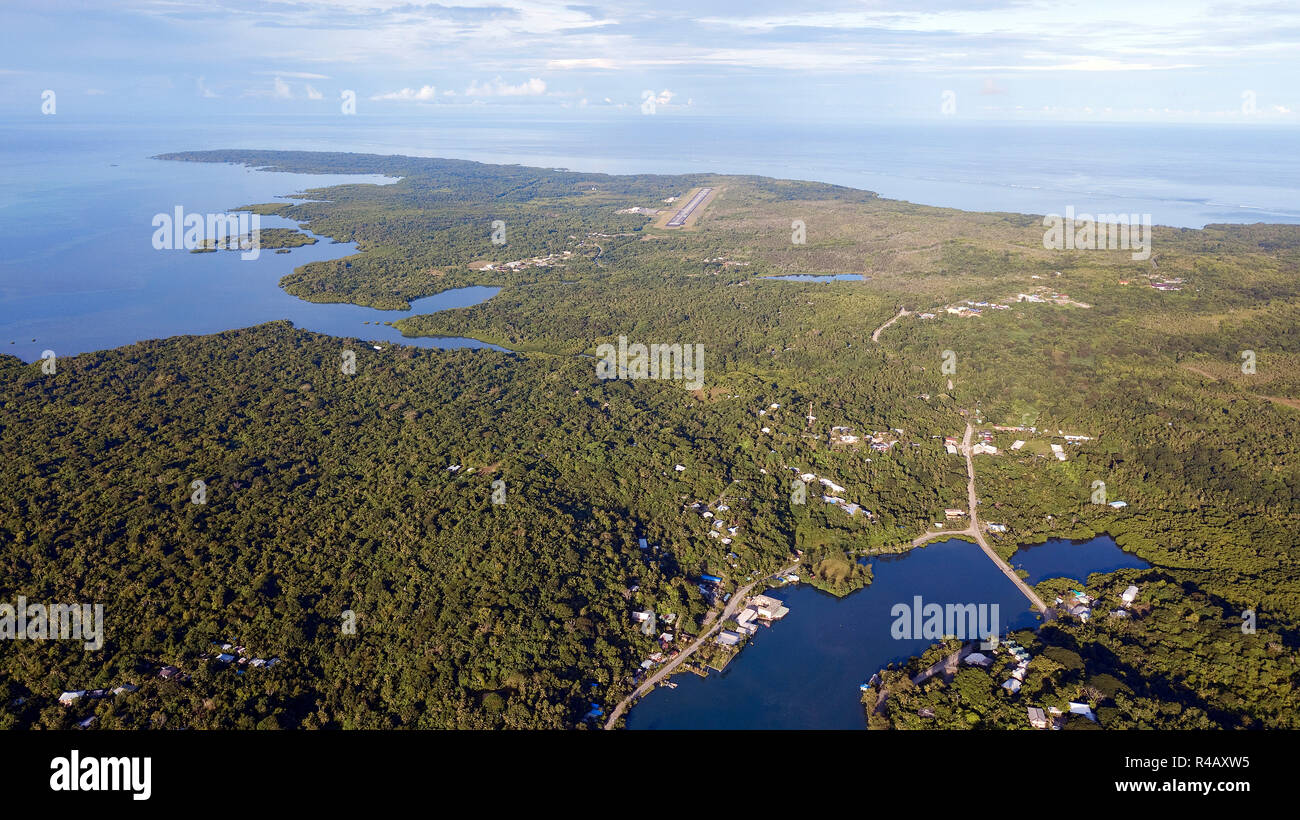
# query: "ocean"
79,271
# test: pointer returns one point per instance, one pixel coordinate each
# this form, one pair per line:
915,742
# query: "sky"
810,60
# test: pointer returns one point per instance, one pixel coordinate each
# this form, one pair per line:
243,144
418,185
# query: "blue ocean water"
79,273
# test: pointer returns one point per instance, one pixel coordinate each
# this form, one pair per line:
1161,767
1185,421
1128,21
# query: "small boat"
667,684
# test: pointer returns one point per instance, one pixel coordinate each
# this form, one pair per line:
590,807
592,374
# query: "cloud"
533,87
282,91
1090,64
581,62
95,92
991,87
424,94
662,98
204,91
297,75
313,94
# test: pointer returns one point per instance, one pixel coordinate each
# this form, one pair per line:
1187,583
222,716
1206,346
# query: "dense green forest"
372,493
1179,659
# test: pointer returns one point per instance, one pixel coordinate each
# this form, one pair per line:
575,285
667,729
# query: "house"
1037,717
982,448
679,468
1012,686
1059,452
1017,444
642,543
1082,709
951,448
69,698
168,672
997,527
711,579
125,689
728,638
953,512
977,659
768,608
832,486
85,724
643,616
1129,595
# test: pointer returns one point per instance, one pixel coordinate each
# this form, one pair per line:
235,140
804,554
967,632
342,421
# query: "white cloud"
1089,64
204,91
424,94
313,94
297,75
583,62
282,91
533,87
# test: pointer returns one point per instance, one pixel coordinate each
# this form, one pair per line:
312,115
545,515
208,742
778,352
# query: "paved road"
1026,589
974,531
736,601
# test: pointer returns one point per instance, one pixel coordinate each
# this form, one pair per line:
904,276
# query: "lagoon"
804,672
819,277
81,272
